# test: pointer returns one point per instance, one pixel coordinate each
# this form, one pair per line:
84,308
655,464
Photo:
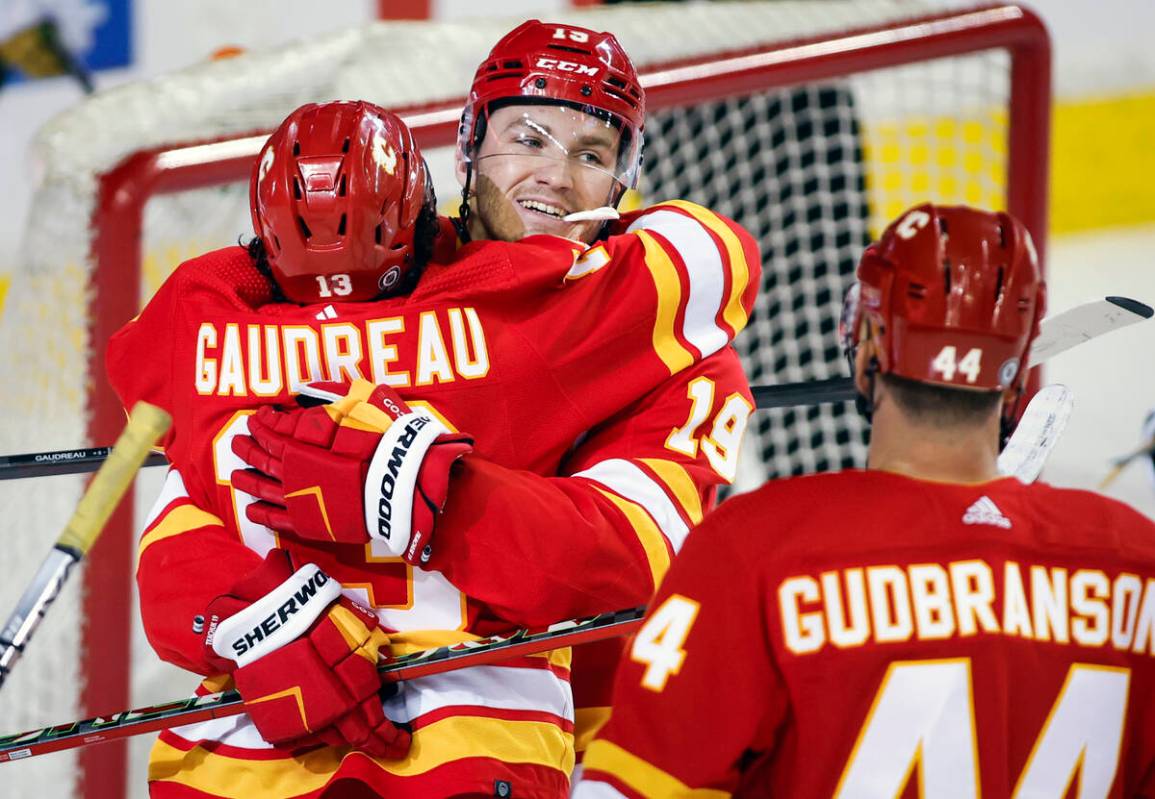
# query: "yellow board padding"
1103,162
947,160
5,282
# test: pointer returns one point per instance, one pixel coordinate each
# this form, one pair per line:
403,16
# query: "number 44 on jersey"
921,724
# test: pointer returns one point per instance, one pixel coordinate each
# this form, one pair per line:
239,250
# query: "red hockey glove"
304,659
363,467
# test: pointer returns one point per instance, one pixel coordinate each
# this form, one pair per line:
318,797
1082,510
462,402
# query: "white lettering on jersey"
930,601
263,360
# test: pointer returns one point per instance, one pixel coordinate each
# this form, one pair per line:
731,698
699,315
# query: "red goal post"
114,264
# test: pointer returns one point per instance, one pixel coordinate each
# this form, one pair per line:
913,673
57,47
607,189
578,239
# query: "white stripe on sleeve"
705,271
173,489
628,480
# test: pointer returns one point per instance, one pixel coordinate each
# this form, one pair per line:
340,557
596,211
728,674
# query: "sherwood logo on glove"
391,482
396,460
277,618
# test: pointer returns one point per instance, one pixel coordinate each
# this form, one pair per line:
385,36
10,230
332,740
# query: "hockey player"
553,128
921,626
586,473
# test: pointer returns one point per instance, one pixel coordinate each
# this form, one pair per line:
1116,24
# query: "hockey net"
811,122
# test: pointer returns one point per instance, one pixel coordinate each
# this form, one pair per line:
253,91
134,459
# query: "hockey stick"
1057,334
145,425
1036,433
65,461
229,703
1120,463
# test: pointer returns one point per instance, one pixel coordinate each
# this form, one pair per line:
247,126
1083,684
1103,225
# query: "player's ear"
864,355
459,165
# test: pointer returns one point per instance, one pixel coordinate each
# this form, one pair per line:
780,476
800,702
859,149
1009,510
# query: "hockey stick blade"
145,425
1057,334
1037,432
1085,322
406,667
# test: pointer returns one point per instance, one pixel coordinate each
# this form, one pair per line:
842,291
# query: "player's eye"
529,142
592,157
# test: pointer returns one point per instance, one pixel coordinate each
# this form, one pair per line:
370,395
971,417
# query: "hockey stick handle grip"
146,423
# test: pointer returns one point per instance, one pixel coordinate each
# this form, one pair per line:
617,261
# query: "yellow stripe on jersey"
587,722
650,537
352,629
640,776
665,276
451,739
292,692
179,520
735,312
678,480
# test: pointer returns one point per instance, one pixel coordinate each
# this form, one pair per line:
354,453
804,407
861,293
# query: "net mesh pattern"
812,171
788,166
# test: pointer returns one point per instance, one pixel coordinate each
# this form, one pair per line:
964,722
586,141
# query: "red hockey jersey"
606,407
866,634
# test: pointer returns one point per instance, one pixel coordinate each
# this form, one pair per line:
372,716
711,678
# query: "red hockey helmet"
544,62
336,195
955,295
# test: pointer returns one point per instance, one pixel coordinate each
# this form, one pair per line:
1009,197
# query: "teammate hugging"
493,433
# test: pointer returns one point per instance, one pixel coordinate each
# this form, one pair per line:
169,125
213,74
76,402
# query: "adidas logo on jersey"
985,511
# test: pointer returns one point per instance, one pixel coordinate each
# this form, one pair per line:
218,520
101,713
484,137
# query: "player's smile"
542,207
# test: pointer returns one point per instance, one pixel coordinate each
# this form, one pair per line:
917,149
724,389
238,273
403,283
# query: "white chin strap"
603,214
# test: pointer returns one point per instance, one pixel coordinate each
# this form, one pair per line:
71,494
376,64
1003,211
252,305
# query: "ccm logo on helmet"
296,603
567,66
389,480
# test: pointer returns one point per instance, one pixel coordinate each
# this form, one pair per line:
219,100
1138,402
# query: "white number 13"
329,285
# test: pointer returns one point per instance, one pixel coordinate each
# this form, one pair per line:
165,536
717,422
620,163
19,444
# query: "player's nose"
554,172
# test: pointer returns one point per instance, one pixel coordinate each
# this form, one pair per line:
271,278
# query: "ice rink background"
1113,379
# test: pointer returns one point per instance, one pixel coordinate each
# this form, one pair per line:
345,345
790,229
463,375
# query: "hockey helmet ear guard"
955,296
336,198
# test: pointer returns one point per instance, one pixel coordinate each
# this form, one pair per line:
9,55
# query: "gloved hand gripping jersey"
363,467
